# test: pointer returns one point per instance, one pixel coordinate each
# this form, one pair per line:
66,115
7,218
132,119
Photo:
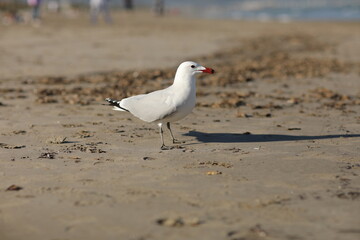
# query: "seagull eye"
192,66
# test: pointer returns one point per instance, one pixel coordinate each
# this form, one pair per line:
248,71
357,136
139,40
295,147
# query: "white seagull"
167,105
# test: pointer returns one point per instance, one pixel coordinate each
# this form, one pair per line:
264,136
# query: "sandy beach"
272,150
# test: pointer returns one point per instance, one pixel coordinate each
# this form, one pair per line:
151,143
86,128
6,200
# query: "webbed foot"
163,147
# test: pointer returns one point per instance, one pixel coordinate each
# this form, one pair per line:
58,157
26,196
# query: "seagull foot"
163,147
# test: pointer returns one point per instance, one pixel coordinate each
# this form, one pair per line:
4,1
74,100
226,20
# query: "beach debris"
77,159
118,131
294,129
179,222
351,165
189,150
148,158
269,58
49,155
8,146
327,93
213,173
98,162
72,125
216,163
267,106
258,230
268,115
277,200
14,188
244,115
255,232
56,140
88,147
22,132
293,100
83,134
352,195
53,80
234,149
46,99
93,149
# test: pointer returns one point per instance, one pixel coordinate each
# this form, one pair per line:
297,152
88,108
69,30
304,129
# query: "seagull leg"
172,136
163,147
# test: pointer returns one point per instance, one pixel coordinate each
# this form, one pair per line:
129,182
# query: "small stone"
169,222
213,173
50,155
14,188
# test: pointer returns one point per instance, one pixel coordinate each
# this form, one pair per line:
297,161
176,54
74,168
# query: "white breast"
185,103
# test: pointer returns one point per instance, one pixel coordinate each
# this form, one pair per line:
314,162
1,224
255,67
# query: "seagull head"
194,68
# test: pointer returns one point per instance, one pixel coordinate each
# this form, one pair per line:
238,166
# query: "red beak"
209,70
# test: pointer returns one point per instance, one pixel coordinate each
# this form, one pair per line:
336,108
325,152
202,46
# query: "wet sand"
271,151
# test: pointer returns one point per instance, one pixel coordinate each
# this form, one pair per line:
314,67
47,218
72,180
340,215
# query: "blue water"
288,14
269,10
262,10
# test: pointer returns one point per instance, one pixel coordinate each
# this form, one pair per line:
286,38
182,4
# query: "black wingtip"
112,102
115,103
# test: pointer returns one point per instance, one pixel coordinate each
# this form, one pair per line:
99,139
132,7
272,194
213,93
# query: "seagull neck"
184,81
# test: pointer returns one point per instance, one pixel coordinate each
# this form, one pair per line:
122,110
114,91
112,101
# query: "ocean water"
271,10
261,10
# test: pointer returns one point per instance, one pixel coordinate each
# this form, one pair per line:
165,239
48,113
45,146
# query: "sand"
272,151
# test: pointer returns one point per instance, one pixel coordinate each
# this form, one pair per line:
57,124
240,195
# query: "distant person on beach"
128,4
159,7
36,5
97,7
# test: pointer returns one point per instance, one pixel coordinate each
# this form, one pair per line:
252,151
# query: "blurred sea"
261,10
268,10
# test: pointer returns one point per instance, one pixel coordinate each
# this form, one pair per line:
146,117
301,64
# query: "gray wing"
150,107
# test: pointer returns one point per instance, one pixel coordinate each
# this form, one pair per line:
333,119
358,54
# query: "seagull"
167,105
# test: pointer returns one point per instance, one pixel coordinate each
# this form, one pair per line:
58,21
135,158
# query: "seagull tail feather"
116,105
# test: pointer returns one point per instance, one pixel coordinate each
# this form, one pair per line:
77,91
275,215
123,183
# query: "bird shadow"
248,137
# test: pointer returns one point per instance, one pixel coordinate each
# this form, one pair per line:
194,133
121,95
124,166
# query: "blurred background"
105,35
262,10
